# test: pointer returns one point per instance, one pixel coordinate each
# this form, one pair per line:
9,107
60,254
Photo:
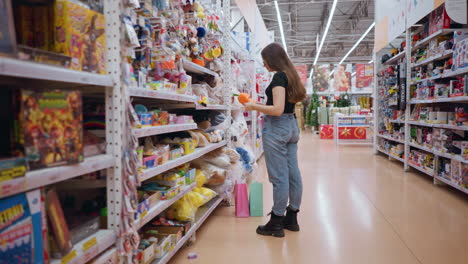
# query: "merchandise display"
143,121
421,90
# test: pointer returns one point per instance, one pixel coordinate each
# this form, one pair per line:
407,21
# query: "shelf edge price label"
142,215
69,257
90,248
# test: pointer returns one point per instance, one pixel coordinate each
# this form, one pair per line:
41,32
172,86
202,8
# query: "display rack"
362,123
425,157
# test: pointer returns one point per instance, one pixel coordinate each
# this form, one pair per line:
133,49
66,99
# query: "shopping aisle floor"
357,208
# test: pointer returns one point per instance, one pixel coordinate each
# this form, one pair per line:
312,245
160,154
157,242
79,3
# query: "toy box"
52,127
80,33
21,229
460,40
438,20
464,175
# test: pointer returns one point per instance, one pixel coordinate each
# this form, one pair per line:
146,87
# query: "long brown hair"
277,60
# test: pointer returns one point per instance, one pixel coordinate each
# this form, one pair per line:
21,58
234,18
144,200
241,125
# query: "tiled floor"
358,207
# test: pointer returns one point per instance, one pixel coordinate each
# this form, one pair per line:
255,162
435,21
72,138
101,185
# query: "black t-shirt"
279,79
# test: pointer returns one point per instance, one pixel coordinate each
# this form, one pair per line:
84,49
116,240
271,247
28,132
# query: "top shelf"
425,41
195,68
33,70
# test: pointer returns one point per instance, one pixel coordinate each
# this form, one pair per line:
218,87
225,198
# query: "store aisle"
357,208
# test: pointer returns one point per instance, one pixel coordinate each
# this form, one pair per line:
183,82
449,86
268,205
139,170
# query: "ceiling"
304,20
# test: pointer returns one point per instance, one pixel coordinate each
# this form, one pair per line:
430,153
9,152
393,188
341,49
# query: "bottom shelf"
421,169
202,215
88,248
452,184
391,155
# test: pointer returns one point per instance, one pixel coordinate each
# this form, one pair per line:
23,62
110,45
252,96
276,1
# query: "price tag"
89,244
69,257
90,248
142,215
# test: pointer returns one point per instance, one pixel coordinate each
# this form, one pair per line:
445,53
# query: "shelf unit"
39,178
387,137
157,130
149,173
409,103
202,214
37,71
195,68
88,248
154,211
153,94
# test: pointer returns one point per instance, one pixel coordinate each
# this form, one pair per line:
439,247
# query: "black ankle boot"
274,227
290,221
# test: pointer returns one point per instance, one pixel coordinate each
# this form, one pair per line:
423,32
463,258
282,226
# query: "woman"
280,137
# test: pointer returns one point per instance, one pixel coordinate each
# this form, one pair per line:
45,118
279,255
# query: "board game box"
21,229
52,125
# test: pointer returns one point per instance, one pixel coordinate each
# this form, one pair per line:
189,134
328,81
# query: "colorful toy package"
52,123
21,229
80,33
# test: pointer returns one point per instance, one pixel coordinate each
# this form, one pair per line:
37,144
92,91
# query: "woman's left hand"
250,106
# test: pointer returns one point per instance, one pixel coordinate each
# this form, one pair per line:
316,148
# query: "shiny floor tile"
358,207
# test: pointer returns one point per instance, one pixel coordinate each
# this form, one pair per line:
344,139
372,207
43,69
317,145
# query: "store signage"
364,75
302,71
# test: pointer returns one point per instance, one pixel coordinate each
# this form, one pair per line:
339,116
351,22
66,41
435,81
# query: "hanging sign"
302,71
457,10
364,76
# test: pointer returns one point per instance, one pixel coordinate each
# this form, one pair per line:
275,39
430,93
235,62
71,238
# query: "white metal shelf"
148,93
395,58
438,153
452,184
445,55
149,173
441,100
397,121
414,145
33,70
157,130
365,125
451,74
421,169
391,155
195,68
88,248
211,107
201,216
159,207
38,178
426,40
108,257
446,126
391,138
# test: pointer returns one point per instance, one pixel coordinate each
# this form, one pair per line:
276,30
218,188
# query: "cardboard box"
80,33
326,131
52,127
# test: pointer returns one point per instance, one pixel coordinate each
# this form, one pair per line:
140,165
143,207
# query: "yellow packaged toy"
80,33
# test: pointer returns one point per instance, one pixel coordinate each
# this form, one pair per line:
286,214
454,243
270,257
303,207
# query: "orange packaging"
80,33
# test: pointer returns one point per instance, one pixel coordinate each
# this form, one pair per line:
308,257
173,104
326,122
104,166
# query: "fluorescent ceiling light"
371,61
357,43
331,73
354,73
280,22
325,33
